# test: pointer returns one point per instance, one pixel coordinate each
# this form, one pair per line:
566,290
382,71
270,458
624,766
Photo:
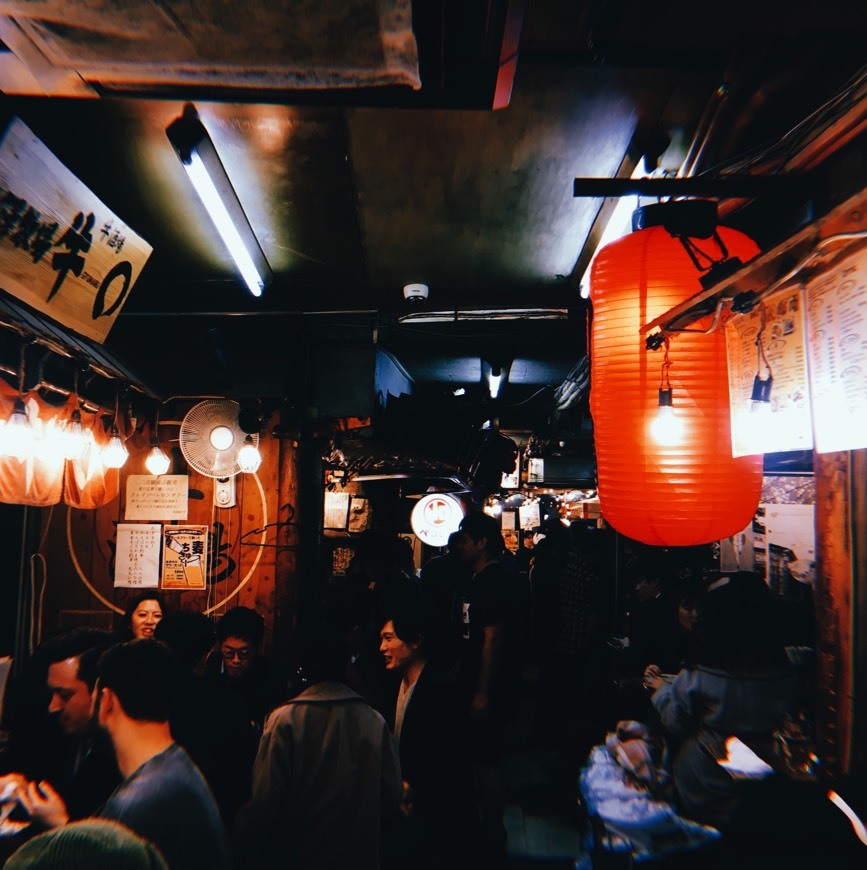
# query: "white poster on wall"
137,559
157,498
836,304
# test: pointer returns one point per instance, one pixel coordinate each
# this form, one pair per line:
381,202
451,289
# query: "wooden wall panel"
243,541
834,585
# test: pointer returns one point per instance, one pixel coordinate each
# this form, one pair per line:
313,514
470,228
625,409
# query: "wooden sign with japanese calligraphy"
61,250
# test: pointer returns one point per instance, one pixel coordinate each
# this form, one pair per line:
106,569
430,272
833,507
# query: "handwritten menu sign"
137,561
528,514
837,348
787,423
336,510
185,557
157,498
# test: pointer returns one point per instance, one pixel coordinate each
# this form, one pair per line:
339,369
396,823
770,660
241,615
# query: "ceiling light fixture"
494,380
196,152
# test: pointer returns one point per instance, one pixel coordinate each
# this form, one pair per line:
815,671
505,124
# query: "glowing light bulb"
249,458
114,453
74,440
666,428
157,461
17,434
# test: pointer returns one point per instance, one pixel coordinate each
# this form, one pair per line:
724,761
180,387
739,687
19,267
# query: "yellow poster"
185,557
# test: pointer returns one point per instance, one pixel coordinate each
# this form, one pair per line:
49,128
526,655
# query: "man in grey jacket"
326,775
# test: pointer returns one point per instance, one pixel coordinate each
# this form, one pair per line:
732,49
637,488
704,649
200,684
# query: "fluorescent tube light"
209,178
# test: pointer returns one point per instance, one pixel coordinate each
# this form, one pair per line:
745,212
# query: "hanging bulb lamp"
157,461
249,458
74,439
115,453
17,440
665,494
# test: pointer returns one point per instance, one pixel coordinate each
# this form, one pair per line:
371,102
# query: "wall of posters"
785,424
185,557
837,322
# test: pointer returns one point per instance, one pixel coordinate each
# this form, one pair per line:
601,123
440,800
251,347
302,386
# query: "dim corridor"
542,818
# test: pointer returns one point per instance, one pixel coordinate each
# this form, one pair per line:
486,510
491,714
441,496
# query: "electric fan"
210,438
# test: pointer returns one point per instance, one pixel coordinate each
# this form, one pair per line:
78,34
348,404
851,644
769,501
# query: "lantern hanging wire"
761,395
665,428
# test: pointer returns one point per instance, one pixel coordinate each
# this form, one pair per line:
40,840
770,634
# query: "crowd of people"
177,741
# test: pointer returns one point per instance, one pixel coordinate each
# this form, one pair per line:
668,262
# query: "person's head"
480,539
189,635
379,553
739,631
451,547
402,638
239,635
323,654
143,611
688,607
90,844
647,586
140,676
71,659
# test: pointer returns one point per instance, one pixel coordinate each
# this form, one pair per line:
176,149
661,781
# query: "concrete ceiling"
355,191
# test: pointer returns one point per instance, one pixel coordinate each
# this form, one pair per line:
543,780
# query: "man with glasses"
238,665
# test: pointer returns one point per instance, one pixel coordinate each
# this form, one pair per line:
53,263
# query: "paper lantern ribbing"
683,495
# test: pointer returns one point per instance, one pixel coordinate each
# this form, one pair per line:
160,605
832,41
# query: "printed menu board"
837,349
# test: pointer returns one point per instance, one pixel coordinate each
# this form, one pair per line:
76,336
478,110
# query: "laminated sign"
62,251
185,557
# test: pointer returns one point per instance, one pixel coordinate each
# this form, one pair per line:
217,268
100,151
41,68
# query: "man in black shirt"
487,663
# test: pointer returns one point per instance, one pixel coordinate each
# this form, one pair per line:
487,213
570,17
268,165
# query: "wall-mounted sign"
435,517
185,557
157,498
837,321
137,560
529,516
62,251
336,510
785,422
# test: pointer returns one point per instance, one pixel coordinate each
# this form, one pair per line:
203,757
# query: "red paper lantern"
692,492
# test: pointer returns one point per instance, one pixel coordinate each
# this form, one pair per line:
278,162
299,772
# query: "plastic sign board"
435,517
62,251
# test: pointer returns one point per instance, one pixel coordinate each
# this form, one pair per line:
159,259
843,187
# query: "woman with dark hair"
673,641
741,686
143,611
